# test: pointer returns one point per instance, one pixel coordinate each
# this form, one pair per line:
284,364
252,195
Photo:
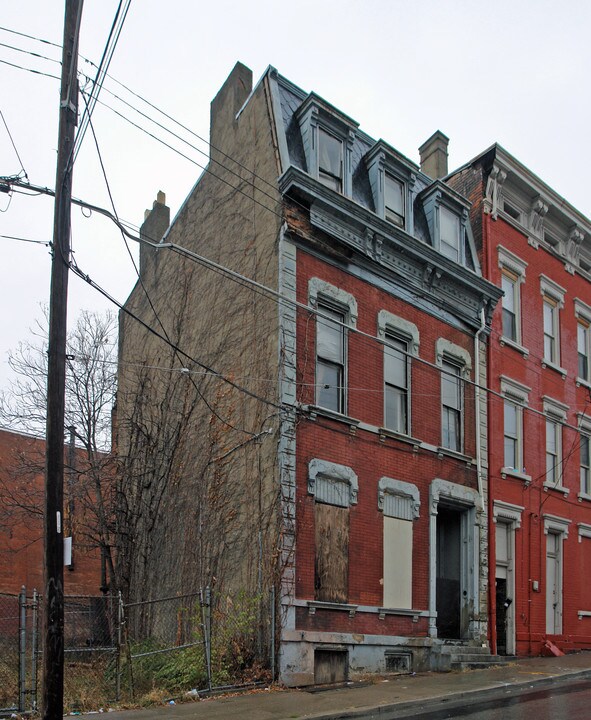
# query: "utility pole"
53,647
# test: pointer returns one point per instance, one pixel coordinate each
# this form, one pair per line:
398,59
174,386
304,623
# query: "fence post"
272,600
34,649
22,648
206,608
119,644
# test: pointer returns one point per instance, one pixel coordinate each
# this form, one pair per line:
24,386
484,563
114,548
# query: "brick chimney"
433,154
156,222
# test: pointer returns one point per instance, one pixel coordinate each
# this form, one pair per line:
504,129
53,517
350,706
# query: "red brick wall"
21,542
530,539
370,458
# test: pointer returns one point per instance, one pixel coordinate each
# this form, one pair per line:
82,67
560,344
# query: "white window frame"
453,355
320,172
324,293
398,219
583,316
584,425
443,208
518,395
407,332
514,269
555,417
323,318
553,298
389,346
585,467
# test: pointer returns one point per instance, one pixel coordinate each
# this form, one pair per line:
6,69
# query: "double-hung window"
585,466
550,331
330,358
451,406
394,200
512,435
512,276
396,367
449,234
553,432
583,315
330,160
552,302
583,349
515,399
556,416
510,286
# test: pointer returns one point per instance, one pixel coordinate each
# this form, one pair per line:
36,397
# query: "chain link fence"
143,651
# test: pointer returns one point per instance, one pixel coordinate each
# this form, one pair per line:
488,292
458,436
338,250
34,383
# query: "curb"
427,704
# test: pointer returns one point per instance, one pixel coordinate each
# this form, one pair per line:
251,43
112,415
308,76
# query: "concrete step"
478,662
454,650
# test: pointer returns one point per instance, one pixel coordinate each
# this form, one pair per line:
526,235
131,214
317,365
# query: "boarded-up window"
397,563
331,567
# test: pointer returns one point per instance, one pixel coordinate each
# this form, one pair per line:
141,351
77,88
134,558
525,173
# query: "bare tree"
90,391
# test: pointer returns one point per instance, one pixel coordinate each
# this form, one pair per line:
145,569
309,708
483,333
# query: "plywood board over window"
331,568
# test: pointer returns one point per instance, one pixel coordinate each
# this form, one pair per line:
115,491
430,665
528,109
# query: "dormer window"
330,160
449,234
394,200
328,137
392,179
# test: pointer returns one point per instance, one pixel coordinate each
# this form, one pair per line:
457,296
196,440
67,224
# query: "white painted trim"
554,523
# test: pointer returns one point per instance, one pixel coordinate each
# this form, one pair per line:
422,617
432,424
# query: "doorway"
449,588
553,584
505,588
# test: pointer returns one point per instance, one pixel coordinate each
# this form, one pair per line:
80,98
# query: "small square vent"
398,662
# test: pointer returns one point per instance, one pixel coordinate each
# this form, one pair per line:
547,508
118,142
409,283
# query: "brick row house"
537,247
356,361
366,425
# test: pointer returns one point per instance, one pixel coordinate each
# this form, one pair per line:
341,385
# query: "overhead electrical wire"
244,180
278,297
13,145
142,285
111,44
36,72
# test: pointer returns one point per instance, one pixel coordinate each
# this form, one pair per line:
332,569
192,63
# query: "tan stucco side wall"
198,483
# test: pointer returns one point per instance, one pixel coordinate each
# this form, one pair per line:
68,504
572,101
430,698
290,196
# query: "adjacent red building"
535,246
22,461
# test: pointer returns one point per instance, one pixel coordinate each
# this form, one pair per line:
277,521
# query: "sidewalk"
397,693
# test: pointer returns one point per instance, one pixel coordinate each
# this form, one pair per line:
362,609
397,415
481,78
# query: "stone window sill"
515,345
555,367
556,488
511,472
315,411
446,452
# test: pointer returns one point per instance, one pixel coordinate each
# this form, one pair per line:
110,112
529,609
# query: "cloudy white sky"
516,72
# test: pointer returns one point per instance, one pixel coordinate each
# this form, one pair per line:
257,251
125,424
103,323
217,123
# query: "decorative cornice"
452,286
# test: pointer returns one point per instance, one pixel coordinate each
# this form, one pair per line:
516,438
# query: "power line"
77,271
47,243
30,37
36,72
148,298
30,52
106,58
13,145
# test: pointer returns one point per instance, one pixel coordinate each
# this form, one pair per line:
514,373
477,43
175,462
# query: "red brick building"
22,459
537,247
349,305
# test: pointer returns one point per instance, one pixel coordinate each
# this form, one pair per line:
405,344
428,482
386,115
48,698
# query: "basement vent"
398,662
